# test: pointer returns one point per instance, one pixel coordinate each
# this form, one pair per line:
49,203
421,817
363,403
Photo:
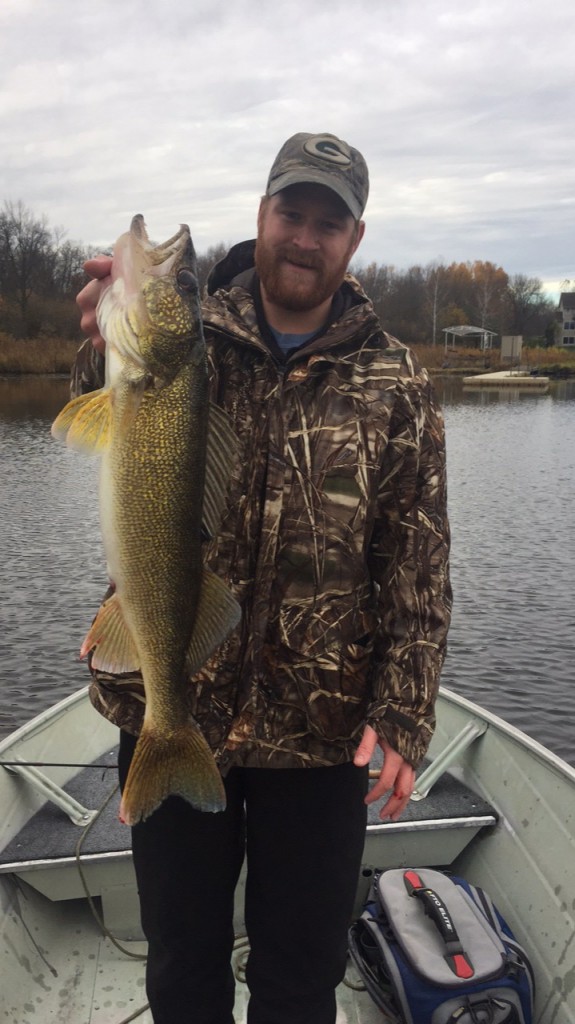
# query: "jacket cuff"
410,736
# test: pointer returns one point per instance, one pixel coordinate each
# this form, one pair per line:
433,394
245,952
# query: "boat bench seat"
45,853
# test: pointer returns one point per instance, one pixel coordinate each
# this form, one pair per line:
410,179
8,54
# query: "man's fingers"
394,807
399,777
98,269
396,775
387,780
98,266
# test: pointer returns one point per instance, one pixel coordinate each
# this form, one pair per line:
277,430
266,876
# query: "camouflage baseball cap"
322,160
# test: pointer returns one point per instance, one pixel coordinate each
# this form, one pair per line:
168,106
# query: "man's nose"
305,235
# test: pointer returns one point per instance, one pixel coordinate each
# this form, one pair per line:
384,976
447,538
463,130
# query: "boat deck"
90,980
43,860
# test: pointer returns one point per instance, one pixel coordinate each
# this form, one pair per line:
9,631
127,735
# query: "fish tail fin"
181,764
85,422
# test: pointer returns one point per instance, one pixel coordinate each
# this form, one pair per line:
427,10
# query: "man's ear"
261,210
360,232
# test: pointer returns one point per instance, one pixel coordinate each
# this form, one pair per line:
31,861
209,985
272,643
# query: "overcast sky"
463,109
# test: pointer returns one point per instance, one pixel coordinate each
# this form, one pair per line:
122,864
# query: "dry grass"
56,355
550,358
41,355
461,360
434,357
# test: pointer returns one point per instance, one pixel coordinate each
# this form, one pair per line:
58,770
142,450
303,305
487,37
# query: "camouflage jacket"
335,541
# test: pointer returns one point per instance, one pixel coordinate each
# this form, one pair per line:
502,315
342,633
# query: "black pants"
303,831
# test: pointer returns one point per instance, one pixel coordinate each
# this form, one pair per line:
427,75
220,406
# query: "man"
335,544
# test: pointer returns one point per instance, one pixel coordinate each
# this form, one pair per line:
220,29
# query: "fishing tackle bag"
433,949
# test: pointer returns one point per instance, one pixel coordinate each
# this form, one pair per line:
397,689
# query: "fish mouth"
161,257
126,308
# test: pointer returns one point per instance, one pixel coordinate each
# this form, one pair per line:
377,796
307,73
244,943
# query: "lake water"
512,500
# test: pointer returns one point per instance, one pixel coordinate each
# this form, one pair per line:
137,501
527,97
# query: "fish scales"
166,458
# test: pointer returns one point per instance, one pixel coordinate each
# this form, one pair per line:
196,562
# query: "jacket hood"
241,257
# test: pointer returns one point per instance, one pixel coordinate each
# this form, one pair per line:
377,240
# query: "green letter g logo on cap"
328,148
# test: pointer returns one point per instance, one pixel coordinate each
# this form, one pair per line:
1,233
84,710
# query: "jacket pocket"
329,690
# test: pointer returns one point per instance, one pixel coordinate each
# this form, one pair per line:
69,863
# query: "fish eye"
187,280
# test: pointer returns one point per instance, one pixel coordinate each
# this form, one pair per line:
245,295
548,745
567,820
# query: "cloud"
463,113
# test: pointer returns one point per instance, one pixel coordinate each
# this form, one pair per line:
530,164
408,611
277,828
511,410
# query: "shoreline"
564,373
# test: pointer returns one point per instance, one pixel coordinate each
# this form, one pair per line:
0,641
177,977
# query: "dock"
508,379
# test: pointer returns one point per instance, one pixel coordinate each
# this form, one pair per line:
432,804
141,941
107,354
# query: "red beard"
285,287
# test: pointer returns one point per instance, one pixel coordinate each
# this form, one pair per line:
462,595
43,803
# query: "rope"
97,916
135,1014
51,764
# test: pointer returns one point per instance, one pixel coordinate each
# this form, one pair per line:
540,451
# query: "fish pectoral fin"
217,615
222,452
179,763
85,423
110,641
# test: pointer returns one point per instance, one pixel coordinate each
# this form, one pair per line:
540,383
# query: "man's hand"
98,269
396,775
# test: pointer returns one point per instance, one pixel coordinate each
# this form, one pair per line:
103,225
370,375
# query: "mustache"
311,260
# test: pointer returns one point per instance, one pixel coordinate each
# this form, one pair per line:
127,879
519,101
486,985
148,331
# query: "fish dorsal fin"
217,615
109,639
222,452
85,423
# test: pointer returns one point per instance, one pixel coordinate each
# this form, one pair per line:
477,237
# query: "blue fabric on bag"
400,955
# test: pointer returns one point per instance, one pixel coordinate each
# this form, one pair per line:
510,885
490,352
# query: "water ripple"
511,498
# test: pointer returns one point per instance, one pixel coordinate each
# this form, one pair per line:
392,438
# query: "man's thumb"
366,748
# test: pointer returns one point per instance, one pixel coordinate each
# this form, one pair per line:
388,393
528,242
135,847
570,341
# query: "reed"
463,360
39,355
56,355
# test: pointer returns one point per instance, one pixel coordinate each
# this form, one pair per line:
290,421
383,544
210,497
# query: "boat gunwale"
522,739
44,718
36,725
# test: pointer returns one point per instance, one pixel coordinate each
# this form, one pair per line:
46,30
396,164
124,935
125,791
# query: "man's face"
306,238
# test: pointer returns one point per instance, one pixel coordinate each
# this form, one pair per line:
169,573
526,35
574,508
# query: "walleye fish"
166,458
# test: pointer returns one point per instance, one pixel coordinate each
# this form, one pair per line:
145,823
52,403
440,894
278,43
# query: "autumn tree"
489,285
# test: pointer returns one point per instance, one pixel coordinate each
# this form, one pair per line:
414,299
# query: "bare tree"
40,274
437,293
25,249
527,305
378,283
207,260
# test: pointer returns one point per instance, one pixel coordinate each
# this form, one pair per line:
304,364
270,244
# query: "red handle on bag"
436,909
